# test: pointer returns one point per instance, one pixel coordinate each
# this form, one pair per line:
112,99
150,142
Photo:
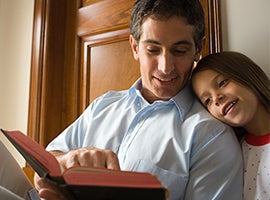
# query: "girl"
236,91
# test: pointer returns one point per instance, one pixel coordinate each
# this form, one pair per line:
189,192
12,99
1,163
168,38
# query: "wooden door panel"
104,16
112,68
108,65
106,57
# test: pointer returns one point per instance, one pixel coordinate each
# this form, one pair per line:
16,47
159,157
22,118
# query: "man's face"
166,52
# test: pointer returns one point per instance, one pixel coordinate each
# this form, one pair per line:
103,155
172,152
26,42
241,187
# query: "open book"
87,182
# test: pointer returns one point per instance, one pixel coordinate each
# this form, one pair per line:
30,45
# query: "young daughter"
236,91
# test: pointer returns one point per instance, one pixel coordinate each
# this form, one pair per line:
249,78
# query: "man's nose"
166,63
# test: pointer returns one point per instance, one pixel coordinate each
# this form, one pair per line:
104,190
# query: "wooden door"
106,58
81,50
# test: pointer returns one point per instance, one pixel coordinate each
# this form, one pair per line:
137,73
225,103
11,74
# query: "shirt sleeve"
216,170
72,137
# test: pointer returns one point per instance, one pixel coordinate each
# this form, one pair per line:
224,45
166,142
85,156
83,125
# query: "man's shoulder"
199,109
111,97
112,94
205,118
207,128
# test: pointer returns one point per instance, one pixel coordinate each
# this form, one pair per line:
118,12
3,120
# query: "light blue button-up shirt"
194,155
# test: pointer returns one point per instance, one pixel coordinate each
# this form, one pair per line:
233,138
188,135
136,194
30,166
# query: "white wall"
16,20
246,28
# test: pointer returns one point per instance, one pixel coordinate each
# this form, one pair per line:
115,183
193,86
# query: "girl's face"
225,99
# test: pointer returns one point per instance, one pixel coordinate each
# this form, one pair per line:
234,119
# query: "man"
157,126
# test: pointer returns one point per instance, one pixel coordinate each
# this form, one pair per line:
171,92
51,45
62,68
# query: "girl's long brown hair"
241,69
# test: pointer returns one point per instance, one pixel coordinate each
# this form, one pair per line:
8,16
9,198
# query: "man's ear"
134,47
198,54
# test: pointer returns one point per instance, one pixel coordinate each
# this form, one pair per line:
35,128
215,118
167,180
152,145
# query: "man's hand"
46,190
91,156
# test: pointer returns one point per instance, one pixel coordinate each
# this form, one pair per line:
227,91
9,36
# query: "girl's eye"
223,82
206,102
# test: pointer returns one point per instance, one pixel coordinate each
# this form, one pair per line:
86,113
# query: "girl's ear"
134,47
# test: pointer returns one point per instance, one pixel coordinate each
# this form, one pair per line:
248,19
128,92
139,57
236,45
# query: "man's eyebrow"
182,42
151,41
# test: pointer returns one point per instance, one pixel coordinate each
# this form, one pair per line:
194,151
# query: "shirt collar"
183,100
136,88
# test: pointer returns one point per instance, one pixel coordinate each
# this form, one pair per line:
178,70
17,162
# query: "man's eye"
153,51
223,82
179,52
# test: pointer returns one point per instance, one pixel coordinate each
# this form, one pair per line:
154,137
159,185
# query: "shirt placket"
131,133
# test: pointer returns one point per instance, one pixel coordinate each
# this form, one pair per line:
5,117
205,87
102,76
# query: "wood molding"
34,115
29,172
53,78
214,26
